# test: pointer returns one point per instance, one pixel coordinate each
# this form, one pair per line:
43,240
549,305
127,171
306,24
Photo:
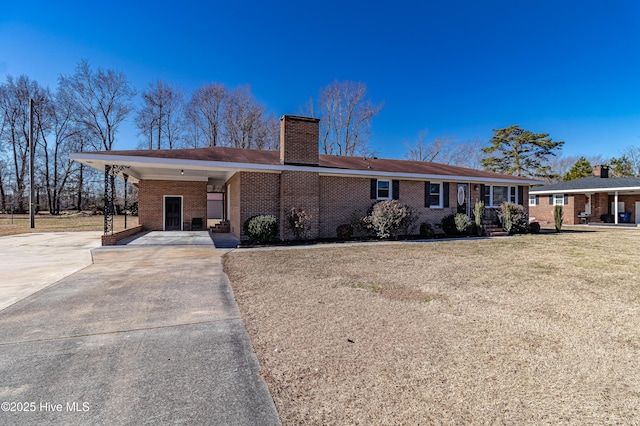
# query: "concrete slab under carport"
147,334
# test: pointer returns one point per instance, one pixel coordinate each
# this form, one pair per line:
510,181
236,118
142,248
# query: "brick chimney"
299,137
601,171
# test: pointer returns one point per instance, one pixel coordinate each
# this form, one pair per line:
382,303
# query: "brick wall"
151,201
299,138
233,200
299,190
260,194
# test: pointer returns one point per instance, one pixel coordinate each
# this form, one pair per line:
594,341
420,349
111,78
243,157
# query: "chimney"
299,138
601,171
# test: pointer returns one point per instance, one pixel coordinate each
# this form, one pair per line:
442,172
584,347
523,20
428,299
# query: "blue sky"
457,68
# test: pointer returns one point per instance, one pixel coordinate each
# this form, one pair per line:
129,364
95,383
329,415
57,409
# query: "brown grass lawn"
20,224
537,329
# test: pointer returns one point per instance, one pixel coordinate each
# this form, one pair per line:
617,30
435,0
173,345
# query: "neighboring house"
592,199
177,185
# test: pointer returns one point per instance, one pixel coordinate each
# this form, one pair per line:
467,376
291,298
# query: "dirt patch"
530,329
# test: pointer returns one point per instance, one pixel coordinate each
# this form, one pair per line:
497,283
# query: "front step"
492,230
223,227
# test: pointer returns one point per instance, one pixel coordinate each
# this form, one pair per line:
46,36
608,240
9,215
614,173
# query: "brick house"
593,199
175,185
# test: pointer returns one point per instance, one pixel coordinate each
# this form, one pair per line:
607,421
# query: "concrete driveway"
147,334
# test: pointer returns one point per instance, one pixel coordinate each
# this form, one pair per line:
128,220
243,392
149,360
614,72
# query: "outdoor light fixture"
476,187
182,172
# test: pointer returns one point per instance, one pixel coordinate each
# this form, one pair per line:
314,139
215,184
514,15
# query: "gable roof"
234,159
589,184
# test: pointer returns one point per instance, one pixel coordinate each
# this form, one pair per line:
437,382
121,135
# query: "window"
558,199
384,190
533,201
435,195
496,195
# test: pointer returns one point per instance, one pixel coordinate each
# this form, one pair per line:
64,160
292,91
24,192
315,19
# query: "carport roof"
223,162
590,184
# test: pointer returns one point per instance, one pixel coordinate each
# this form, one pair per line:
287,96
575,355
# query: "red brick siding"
259,194
233,200
299,190
299,138
151,201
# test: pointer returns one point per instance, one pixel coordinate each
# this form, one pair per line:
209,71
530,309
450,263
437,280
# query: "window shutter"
374,189
445,194
566,199
521,195
482,191
537,200
427,185
395,189
550,200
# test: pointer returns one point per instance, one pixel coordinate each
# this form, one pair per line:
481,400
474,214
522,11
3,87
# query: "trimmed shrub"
261,228
449,225
344,231
426,230
387,217
534,227
478,212
408,224
513,218
557,217
462,222
299,223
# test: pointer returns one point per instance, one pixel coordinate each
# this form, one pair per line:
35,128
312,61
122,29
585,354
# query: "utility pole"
31,171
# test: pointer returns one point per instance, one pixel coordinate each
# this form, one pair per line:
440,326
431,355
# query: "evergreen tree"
621,167
582,168
520,152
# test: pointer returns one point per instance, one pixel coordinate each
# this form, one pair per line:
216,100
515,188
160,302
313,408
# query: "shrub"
557,217
299,223
534,227
262,228
449,225
478,212
462,222
387,217
426,230
344,231
408,224
513,218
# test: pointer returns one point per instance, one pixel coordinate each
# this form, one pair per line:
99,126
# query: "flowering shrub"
262,228
387,217
344,231
299,223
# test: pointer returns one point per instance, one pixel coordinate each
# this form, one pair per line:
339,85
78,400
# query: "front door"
172,213
463,198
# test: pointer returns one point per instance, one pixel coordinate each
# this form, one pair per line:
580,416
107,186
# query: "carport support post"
126,178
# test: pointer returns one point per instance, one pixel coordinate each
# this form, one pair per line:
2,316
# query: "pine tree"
520,152
582,168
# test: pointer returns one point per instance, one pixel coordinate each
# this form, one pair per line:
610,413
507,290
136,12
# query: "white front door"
637,212
587,205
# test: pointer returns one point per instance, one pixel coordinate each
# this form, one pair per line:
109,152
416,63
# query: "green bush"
344,232
449,225
513,218
557,217
534,227
462,222
261,228
426,230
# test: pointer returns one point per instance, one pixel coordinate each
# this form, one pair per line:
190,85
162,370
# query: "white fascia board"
276,168
585,191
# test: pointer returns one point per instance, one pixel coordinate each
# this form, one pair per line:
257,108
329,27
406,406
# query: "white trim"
440,196
587,190
164,213
390,196
169,163
535,200
555,199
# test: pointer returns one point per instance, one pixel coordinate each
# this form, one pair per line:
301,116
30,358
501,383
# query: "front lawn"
540,329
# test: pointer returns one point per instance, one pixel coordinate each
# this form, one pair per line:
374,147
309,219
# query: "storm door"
172,213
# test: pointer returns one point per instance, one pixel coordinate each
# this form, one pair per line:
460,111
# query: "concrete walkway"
148,334
30,262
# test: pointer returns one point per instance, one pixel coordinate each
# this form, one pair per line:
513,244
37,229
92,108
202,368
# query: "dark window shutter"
482,191
566,199
395,189
550,200
445,194
427,185
521,195
537,200
374,189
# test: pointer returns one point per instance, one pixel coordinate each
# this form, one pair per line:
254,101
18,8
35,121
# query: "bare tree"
14,105
102,101
246,124
632,153
161,115
345,113
204,113
439,150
